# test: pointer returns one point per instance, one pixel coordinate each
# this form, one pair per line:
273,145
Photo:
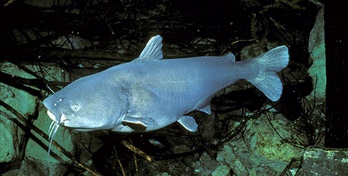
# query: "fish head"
86,105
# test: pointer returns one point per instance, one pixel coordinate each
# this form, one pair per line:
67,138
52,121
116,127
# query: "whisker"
52,133
50,129
49,88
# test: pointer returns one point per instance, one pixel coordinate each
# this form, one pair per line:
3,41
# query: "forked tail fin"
270,63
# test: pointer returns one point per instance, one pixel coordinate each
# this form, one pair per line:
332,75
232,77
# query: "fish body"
150,93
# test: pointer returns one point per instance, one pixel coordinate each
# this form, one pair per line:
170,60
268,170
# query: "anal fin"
206,109
204,104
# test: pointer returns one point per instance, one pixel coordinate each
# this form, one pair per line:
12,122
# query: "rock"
163,174
31,166
317,161
222,170
12,136
9,133
270,141
263,150
227,157
316,48
14,142
72,41
205,166
207,127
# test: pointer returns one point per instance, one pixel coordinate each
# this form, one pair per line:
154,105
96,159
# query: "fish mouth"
59,120
51,115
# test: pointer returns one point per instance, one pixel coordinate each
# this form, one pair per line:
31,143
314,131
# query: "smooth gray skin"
150,93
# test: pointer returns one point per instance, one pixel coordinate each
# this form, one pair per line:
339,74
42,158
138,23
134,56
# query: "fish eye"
75,107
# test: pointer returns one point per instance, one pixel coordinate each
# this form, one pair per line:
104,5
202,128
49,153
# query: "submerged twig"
119,162
138,151
8,3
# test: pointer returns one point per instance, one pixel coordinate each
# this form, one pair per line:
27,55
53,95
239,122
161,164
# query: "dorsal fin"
152,50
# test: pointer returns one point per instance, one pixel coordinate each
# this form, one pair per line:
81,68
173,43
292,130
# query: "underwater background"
48,44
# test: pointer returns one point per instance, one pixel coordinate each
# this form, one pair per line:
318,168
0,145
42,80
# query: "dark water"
81,36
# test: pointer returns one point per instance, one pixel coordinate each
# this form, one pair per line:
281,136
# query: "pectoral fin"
138,124
188,123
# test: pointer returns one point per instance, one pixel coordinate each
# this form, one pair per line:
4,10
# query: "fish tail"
270,63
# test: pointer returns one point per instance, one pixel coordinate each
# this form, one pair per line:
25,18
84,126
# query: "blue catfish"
150,93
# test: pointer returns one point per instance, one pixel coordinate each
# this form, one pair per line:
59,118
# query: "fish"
150,93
